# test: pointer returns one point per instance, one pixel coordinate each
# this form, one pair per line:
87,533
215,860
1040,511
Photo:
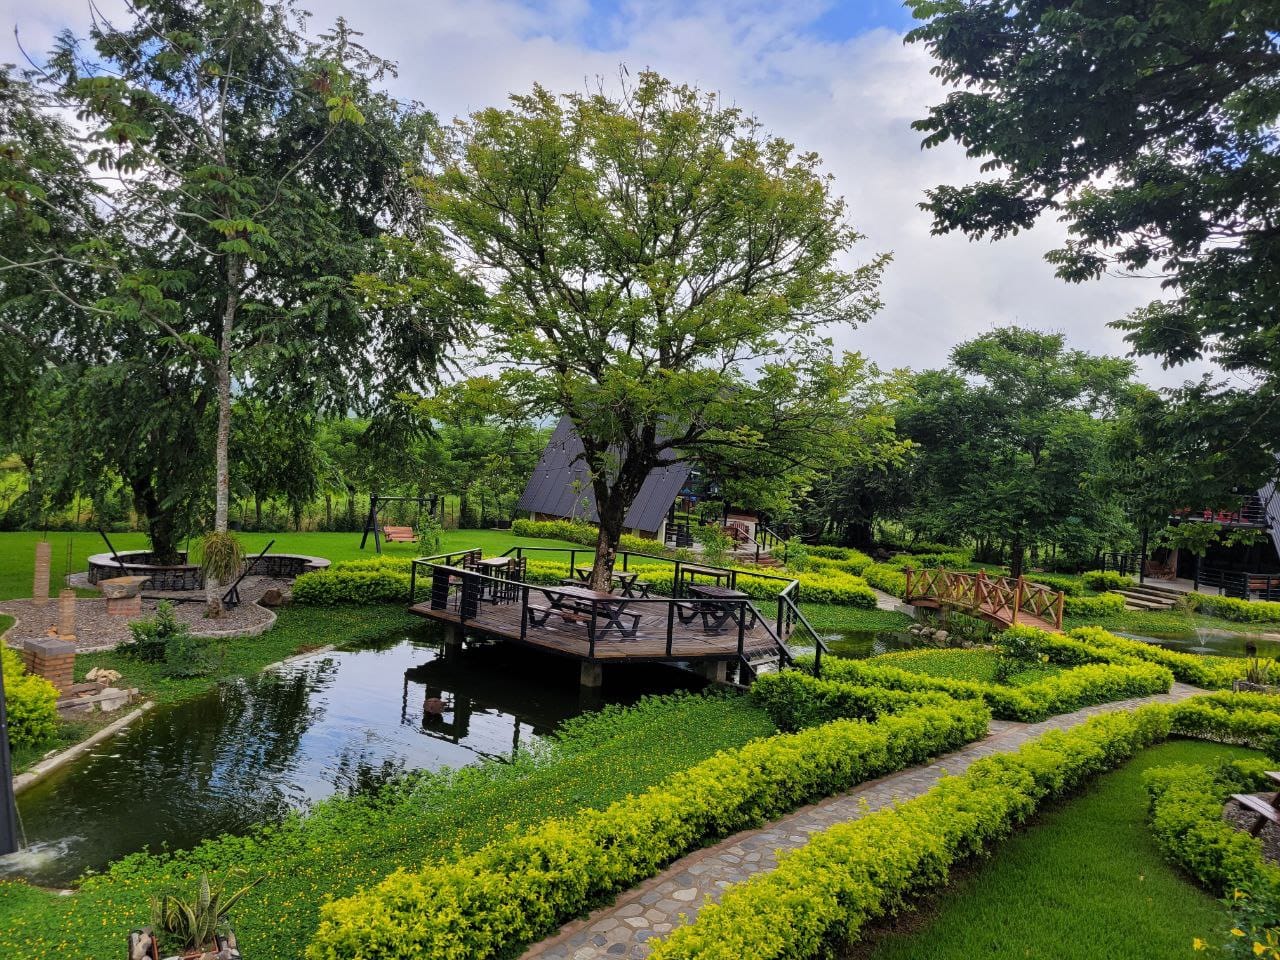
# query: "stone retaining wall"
137,563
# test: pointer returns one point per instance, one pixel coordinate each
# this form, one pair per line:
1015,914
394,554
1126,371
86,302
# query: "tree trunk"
612,513
160,526
328,511
1015,558
257,512
222,484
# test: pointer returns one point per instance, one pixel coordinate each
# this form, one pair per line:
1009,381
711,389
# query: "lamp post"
8,806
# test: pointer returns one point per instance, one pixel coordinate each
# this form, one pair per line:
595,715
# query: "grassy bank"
1085,881
347,843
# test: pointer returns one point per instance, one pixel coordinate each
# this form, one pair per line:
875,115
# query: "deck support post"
453,634
592,674
717,671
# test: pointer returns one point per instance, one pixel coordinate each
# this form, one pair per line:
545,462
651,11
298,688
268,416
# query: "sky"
831,77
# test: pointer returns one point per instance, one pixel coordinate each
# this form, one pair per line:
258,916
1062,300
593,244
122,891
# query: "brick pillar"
67,614
40,583
53,659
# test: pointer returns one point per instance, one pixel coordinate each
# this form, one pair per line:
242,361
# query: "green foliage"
344,843
30,703
166,640
1186,817
1057,103
379,584
1100,678
1233,608
857,871
796,700
886,578
193,921
221,556
1098,605
715,542
1202,671
927,561
521,887
798,559
574,531
1106,580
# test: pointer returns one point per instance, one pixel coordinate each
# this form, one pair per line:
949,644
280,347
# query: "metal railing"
459,587
1239,583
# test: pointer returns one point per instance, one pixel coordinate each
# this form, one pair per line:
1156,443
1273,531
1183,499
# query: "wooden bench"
1264,809
399,534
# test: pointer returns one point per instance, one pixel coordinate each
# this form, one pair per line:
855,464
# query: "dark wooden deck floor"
566,638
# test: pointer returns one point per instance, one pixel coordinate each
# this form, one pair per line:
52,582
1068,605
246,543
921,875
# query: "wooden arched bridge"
1003,601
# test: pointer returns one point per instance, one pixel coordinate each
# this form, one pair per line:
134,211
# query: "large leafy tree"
1149,128
1011,442
248,174
642,253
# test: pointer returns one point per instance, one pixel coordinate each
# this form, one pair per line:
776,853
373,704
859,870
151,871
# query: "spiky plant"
222,555
193,922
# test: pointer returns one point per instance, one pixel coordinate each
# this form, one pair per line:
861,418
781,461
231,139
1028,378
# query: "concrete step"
1154,589
1138,599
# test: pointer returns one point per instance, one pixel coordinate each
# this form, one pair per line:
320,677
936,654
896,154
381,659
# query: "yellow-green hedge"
857,871
1233,608
30,703
1201,671
522,887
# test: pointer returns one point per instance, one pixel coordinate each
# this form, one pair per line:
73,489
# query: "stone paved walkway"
656,906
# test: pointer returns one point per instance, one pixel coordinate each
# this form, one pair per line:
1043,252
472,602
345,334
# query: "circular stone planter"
139,563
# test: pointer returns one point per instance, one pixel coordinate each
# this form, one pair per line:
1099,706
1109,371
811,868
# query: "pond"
251,750
1217,642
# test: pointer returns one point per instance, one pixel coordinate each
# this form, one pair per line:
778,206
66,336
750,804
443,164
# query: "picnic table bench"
576,604
717,606
630,583
1265,810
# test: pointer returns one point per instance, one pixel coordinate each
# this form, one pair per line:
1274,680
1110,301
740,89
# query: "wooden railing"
1002,599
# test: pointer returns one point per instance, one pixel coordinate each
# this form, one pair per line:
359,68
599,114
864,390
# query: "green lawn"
349,843
17,550
1085,881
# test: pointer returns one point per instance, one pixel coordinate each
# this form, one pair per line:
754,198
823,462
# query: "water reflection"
251,750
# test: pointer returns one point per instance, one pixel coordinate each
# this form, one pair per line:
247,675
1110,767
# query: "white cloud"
852,102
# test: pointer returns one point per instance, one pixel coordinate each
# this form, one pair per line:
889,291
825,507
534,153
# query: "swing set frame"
434,503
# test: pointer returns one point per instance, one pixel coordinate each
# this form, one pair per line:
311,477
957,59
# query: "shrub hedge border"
520,888
855,872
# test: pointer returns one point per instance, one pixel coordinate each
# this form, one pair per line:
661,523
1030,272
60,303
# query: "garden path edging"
658,905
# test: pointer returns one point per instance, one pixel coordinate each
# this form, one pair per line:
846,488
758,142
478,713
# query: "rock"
941,636
273,597
112,698
103,675
118,588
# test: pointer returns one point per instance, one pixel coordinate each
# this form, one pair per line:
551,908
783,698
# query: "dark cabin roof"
551,488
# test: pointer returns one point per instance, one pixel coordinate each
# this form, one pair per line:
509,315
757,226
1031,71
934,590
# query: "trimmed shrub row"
521,887
1202,671
856,871
1095,605
1186,818
30,703
1233,608
795,700
1072,689
383,584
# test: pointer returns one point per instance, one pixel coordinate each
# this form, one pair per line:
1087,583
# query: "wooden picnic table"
583,605
689,571
717,606
626,579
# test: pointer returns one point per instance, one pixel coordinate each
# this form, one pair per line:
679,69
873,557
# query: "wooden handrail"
999,598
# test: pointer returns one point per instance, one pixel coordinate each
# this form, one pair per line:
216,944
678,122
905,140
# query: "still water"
251,750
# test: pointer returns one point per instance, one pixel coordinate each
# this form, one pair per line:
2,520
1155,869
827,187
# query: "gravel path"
658,905
95,630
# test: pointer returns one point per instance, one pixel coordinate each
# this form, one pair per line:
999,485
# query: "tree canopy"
643,255
1149,128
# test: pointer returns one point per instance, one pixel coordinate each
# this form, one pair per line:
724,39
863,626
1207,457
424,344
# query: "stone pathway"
661,903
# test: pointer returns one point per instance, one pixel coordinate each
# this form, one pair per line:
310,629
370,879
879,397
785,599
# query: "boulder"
119,588
274,597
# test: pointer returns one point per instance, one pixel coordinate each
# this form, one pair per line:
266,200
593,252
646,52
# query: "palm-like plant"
222,555
194,921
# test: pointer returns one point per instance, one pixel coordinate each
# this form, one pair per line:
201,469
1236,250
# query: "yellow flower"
1258,948
1237,932
1198,944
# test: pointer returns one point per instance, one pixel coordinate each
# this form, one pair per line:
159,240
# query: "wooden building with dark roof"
560,488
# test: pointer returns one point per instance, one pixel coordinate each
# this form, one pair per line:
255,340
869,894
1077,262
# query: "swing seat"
399,534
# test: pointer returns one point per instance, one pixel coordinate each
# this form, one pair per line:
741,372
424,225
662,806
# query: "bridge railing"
999,598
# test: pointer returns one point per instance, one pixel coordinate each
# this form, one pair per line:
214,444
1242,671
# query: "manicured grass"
297,630
830,617
1085,881
348,843
6,622
17,550
962,665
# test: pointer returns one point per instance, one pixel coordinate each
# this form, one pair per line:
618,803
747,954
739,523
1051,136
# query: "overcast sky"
831,77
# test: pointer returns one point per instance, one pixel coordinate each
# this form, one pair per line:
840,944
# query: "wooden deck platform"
659,633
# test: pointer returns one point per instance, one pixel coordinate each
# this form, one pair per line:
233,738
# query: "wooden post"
1017,600
1058,622
908,593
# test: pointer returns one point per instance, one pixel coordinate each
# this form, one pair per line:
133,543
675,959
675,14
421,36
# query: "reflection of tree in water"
355,774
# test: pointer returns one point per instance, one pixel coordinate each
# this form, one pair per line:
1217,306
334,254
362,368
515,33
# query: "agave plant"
193,922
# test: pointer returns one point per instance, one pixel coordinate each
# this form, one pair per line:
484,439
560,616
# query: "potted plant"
1260,674
195,926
